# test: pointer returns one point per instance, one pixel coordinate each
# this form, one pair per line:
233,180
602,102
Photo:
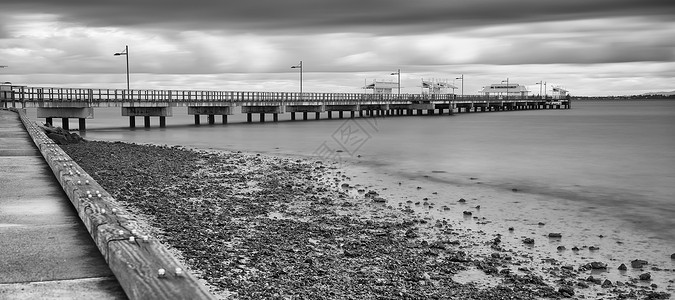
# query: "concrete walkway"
45,250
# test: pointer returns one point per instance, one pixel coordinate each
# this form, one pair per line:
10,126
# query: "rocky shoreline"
266,227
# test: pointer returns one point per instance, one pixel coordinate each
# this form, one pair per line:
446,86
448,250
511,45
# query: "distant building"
503,89
559,93
435,86
382,87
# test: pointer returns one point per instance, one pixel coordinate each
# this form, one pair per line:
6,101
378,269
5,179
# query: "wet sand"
258,226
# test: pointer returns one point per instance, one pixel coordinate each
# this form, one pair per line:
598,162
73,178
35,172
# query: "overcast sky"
590,47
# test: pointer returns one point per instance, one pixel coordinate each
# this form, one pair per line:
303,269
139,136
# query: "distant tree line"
631,97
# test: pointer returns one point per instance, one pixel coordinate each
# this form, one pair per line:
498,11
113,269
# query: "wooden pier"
67,103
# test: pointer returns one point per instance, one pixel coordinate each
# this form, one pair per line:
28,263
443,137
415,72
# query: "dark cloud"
298,16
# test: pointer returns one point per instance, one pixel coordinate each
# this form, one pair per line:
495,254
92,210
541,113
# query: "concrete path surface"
45,250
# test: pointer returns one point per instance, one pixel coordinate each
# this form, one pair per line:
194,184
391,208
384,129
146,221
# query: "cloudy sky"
590,47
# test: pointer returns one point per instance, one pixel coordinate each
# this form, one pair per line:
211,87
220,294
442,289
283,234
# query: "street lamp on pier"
462,79
507,87
125,53
398,72
299,67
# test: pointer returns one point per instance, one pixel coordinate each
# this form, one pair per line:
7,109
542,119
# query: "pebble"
462,200
598,265
555,235
638,263
623,267
645,276
607,283
528,241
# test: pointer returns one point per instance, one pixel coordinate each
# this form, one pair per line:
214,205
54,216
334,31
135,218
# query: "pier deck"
79,103
45,250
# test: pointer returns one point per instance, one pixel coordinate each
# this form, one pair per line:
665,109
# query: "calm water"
599,168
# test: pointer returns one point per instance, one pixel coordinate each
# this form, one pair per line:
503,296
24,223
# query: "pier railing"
43,94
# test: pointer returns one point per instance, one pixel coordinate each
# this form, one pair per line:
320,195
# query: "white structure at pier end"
436,86
505,89
382,87
559,93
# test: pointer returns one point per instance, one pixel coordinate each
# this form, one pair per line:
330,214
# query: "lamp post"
125,53
462,79
398,72
299,67
507,88
541,85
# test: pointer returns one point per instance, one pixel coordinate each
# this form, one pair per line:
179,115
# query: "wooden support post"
318,114
196,119
162,121
293,116
330,114
83,124
146,121
275,117
224,119
352,114
249,117
49,121
419,112
340,114
304,115
262,117
64,123
360,113
132,121
211,119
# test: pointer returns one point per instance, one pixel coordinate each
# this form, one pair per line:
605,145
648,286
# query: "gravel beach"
256,226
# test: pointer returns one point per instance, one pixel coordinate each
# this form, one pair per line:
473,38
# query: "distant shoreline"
622,98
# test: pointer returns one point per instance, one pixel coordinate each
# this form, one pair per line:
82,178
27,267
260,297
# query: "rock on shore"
61,136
